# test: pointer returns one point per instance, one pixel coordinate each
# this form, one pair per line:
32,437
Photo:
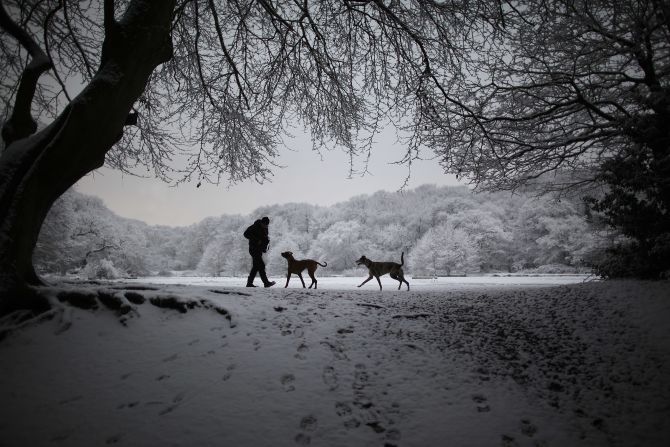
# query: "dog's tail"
325,264
402,259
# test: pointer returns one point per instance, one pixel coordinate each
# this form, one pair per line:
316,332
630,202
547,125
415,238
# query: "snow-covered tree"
444,250
340,245
485,226
226,254
101,268
504,229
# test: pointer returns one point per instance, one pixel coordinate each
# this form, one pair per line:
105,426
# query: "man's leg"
254,270
261,272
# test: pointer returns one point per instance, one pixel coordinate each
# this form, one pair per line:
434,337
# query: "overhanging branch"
21,124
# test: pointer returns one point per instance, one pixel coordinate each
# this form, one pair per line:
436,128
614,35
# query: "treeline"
442,230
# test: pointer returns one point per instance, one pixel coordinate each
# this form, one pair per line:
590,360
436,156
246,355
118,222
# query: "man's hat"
265,220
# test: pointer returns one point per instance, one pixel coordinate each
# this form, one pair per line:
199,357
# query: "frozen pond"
347,283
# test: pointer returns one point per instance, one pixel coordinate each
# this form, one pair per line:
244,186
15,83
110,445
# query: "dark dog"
378,269
295,266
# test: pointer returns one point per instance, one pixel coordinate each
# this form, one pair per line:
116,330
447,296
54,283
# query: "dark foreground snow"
575,365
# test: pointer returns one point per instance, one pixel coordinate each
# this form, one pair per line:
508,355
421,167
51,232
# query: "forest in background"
442,230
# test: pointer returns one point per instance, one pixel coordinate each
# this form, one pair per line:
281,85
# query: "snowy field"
347,283
482,361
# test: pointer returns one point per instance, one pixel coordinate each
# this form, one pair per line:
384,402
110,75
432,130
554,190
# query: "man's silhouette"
258,244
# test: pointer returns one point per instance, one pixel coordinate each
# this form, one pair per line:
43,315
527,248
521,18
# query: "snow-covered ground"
346,283
503,363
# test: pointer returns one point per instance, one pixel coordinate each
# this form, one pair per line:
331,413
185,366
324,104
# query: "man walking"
258,244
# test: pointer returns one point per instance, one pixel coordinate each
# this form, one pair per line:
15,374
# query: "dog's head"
287,254
362,261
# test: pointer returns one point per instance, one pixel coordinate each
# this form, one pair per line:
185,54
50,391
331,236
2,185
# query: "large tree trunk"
35,171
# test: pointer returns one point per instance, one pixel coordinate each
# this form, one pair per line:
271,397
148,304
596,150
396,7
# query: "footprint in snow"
113,439
230,369
336,348
287,382
176,401
308,423
329,377
508,441
527,428
480,400
342,409
345,330
128,405
171,358
376,426
360,377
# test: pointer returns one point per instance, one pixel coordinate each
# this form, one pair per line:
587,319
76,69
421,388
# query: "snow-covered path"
570,365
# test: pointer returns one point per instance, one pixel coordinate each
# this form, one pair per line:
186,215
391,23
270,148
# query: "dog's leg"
288,276
395,276
369,278
301,280
311,275
379,281
402,278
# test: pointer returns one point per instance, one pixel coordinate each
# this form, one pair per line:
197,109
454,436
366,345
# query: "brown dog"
295,266
378,269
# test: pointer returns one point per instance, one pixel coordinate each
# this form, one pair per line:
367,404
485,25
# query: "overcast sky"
306,178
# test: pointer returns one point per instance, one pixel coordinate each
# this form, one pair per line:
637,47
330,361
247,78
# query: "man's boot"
250,281
266,281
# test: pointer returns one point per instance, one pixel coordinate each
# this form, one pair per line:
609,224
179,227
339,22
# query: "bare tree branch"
21,123
89,70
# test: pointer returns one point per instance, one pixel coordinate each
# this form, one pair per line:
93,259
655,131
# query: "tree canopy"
242,71
567,86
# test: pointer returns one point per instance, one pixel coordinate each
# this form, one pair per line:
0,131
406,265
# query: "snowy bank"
570,365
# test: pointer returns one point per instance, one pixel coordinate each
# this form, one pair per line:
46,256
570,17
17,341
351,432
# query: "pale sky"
306,178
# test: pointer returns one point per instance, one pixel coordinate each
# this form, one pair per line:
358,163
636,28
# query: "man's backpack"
249,232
